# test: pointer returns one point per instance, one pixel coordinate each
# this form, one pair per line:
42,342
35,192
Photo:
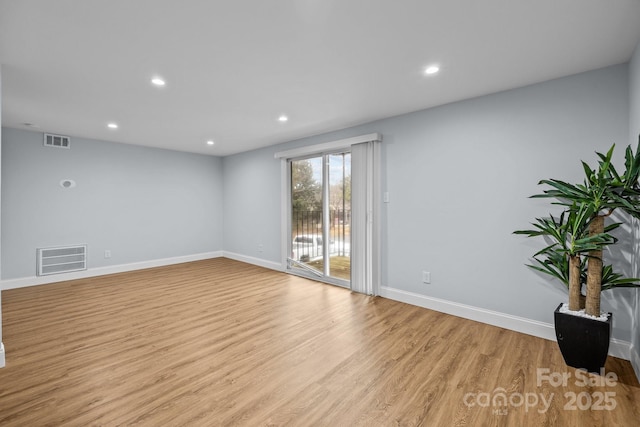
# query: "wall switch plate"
385,197
426,277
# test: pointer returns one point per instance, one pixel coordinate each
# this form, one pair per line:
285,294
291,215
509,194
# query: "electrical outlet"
107,253
260,248
426,277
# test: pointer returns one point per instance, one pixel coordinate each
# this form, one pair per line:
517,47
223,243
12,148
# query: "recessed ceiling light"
158,81
432,69
283,118
112,126
210,142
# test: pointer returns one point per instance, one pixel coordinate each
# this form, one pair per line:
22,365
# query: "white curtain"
365,218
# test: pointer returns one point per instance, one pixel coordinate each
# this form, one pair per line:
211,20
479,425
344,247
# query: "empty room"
320,213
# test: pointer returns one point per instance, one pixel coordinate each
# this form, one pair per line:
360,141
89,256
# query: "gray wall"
634,131
141,203
0,202
252,204
459,177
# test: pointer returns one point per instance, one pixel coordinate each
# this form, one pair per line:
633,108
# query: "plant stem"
594,270
574,282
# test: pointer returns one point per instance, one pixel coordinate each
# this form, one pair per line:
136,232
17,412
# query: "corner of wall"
1,345
634,348
634,130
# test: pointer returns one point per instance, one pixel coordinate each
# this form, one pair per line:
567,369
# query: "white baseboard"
617,348
1,355
101,271
252,260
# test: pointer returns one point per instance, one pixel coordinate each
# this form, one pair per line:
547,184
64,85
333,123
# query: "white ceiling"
233,67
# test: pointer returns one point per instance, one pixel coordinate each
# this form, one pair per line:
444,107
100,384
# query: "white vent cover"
61,259
60,141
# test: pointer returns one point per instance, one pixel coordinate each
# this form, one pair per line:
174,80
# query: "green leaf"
588,172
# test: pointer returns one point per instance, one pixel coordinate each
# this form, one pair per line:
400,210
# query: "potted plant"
573,255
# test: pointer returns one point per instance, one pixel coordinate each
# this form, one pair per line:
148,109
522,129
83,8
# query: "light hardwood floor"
219,342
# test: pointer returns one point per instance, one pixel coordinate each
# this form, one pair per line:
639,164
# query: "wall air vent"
59,141
61,259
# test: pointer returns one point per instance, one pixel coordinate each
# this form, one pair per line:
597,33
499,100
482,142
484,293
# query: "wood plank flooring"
219,342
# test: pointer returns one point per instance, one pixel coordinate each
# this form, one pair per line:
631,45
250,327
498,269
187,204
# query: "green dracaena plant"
603,191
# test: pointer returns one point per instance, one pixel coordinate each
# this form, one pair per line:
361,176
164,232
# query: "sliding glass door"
320,217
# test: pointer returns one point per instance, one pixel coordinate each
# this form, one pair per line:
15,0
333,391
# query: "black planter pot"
584,343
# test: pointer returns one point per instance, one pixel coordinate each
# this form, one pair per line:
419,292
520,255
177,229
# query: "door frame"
306,271
285,184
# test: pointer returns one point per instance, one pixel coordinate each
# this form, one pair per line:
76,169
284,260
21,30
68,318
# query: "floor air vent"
61,259
60,141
